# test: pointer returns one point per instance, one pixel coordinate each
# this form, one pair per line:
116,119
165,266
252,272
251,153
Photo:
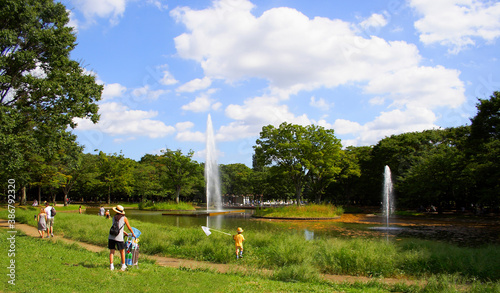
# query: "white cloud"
289,50
158,4
386,124
423,86
342,126
320,103
147,93
376,101
375,20
294,53
112,9
117,119
183,126
73,22
202,103
216,106
196,136
264,110
457,24
195,85
168,78
237,130
113,90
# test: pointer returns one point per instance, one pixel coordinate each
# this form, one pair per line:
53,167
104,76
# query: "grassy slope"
294,258
307,211
45,266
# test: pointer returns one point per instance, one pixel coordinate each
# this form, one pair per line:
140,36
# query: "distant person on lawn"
50,220
238,240
41,218
116,241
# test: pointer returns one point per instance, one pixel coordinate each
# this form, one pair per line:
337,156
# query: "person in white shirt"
50,220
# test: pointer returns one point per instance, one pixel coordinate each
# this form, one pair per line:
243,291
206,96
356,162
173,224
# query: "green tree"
346,180
300,153
484,150
428,166
88,183
236,179
324,160
433,178
116,174
147,174
181,172
62,165
40,86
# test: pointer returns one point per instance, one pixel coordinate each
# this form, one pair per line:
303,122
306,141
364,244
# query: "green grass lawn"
46,266
306,211
288,254
166,206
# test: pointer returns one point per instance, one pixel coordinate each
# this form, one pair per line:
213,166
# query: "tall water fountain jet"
388,197
212,170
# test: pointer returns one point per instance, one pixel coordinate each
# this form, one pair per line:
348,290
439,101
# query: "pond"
461,231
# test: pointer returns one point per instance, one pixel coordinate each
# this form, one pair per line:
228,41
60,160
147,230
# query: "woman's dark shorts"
118,244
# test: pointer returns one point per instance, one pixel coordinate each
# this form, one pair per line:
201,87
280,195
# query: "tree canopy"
309,154
41,89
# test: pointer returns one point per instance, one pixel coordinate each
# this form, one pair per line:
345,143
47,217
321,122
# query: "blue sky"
367,69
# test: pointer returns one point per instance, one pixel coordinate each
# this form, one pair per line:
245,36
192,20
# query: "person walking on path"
115,238
238,240
41,218
50,220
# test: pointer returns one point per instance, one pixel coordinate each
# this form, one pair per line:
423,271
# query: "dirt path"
192,264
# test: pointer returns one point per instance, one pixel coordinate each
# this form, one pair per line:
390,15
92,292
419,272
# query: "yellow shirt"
238,239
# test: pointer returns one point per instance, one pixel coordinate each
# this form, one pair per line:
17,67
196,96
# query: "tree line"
42,91
453,168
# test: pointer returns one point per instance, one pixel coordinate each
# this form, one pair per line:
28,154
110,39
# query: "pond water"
472,232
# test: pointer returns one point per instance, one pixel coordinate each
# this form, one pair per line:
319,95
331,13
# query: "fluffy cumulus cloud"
113,90
263,111
195,85
184,132
294,53
118,120
202,103
106,9
146,93
457,24
423,86
374,21
92,9
168,78
285,47
320,103
412,118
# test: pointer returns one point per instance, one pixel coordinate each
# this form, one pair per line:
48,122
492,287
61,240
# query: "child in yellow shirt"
238,240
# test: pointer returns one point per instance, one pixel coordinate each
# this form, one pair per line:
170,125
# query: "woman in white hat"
115,239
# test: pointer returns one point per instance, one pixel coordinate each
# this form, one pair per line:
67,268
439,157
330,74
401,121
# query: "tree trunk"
318,198
298,189
53,196
177,193
23,196
109,194
39,194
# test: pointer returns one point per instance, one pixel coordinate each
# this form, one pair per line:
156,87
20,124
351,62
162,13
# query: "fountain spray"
212,170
